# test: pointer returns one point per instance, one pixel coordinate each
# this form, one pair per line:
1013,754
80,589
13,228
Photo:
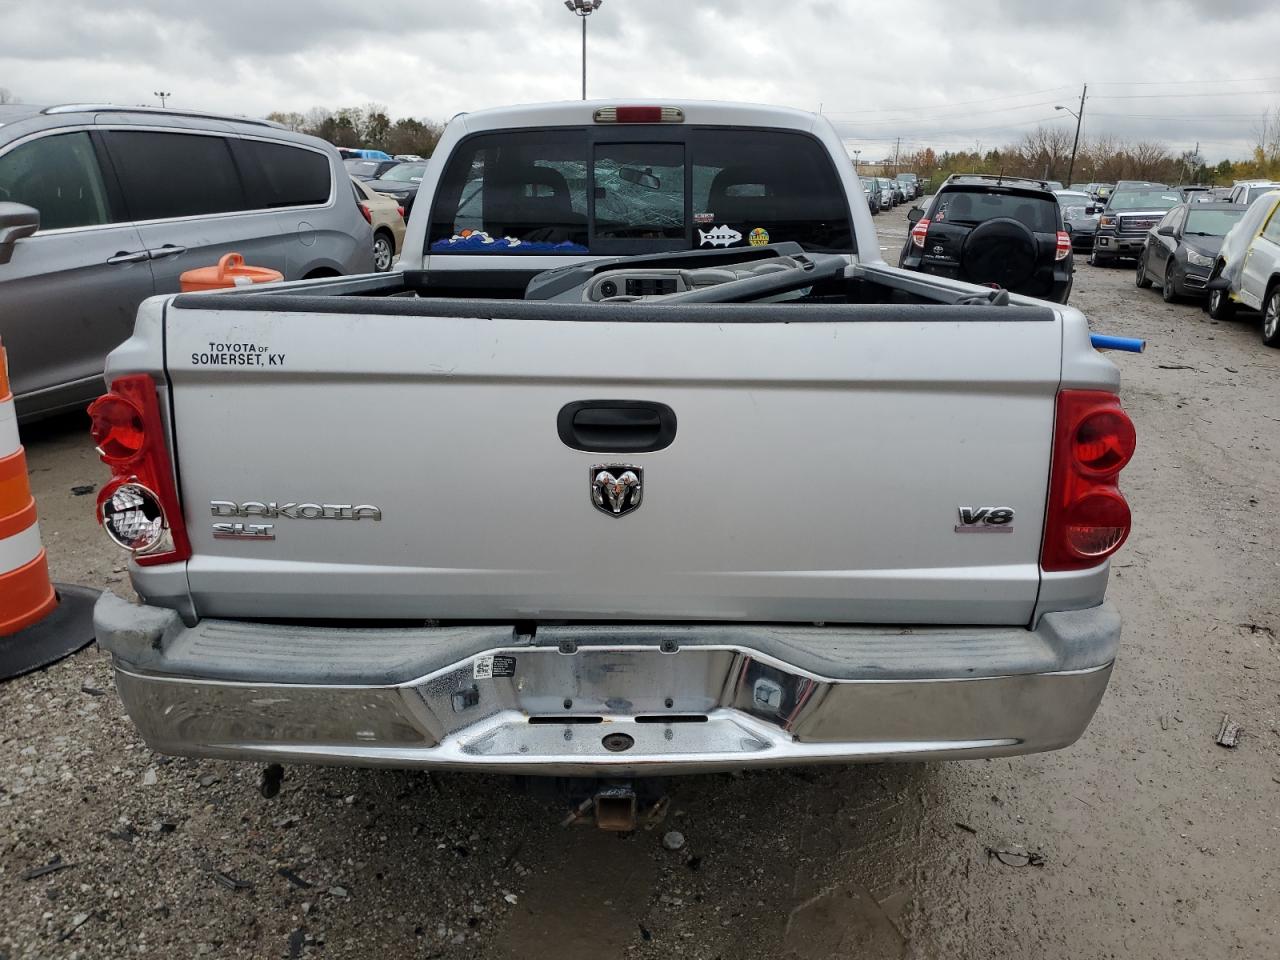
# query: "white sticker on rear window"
721,236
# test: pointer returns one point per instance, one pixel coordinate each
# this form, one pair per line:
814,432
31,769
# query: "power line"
1106,83
941,134
1180,96
1196,118
1172,83
968,113
943,106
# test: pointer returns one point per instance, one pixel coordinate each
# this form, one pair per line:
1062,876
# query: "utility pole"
896,147
583,9
1071,167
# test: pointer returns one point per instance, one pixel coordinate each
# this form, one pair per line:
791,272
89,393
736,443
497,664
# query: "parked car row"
1098,191
400,182
1226,254
884,193
1111,221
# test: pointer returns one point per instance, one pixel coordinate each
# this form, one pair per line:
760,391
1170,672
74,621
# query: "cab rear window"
972,207
567,192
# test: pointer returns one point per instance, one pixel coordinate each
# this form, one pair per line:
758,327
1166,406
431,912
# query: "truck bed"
823,455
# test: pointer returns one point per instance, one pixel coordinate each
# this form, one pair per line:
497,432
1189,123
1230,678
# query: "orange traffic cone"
38,622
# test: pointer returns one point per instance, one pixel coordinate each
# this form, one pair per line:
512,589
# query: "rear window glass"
405,173
363,168
640,191
167,175
1074,203
277,175
556,192
970,207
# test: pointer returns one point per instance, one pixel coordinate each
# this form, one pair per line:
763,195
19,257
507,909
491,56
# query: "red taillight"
130,436
920,231
1096,525
1064,245
1087,518
400,210
364,212
116,428
1104,441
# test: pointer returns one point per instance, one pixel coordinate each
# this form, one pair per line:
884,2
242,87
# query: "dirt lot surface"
1145,839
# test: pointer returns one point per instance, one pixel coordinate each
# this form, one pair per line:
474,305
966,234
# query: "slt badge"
616,488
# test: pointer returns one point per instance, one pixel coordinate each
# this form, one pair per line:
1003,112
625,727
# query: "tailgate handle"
616,426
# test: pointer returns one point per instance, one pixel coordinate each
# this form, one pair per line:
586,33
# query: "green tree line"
368,127
1046,153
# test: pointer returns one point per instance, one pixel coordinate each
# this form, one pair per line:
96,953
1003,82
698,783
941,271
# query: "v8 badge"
985,520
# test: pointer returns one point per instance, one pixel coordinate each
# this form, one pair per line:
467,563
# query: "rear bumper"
686,698
1045,285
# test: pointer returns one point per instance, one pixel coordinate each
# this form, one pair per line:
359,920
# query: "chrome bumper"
1120,244
613,701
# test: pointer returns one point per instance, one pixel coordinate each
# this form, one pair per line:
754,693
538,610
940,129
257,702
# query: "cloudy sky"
941,73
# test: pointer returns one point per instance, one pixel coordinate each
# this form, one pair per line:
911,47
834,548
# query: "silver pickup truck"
644,462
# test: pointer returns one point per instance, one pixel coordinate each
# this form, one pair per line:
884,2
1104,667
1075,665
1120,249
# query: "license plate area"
619,737
541,702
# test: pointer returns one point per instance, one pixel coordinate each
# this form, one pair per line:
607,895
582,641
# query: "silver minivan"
101,207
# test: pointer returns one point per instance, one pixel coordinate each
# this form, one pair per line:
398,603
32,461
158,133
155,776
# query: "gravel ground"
1145,839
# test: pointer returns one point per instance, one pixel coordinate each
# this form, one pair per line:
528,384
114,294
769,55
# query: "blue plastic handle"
1102,341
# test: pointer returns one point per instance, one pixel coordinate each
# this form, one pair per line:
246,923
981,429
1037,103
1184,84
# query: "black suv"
997,231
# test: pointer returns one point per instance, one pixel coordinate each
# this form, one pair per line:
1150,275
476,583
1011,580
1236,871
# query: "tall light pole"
583,9
163,95
1071,167
857,155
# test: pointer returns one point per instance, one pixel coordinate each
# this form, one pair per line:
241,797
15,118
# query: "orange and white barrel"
26,593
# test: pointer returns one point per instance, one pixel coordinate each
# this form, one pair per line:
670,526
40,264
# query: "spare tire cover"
1000,251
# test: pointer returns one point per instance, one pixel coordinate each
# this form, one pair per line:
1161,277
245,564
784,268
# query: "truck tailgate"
818,471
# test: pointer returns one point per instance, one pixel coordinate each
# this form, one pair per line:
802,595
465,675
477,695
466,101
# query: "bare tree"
1266,149
315,118
292,120
1044,152
1151,161
6,96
